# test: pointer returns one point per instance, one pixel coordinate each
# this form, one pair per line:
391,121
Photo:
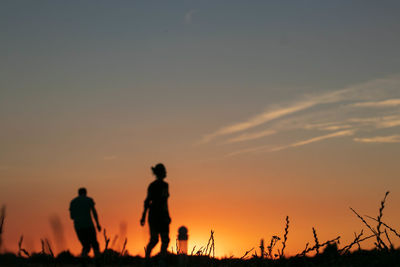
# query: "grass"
327,253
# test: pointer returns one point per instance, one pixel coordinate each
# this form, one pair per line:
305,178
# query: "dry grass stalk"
2,218
262,250
200,252
43,248
303,253
306,250
247,253
355,241
390,242
365,222
106,239
387,226
210,245
20,249
316,240
285,237
193,250
49,247
380,242
358,241
272,244
124,247
356,237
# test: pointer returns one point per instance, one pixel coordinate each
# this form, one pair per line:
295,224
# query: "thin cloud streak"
379,139
378,122
329,126
267,148
250,136
378,104
315,139
276,113
378,88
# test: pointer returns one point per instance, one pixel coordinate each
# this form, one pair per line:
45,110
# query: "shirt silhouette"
81,210
157,204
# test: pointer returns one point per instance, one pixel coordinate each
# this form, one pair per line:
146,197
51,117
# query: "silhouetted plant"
124,247
262,249
316,240
284,238
380,242
246,253
210,245
21,249
2,219
274,240
307,249
387,226
106,239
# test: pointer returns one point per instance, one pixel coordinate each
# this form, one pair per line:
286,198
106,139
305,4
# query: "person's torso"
159,194
81,208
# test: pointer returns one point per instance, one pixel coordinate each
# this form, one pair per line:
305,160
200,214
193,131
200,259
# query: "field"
327,253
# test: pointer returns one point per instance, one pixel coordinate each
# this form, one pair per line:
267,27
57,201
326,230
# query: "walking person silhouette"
80,210
157,204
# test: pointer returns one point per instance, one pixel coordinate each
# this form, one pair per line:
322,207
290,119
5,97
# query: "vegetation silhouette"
156,203
81,209
326,253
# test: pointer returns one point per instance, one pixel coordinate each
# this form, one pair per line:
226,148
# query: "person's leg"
85,240
93,241
153,239
164,239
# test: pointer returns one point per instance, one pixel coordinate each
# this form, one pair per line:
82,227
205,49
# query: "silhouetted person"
80,209
157,204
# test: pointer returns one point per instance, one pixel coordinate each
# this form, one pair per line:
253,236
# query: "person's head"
82,191
159,171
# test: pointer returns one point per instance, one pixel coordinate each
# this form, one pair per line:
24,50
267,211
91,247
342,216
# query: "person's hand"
98,228
142,221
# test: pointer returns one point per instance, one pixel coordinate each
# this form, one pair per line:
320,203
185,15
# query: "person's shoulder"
74,200
153,184
89,199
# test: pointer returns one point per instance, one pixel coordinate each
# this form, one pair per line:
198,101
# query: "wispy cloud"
276,113
357,93
378,122
316,139
267,148
357,109
329,126
379,104
250,136
379,139
189,16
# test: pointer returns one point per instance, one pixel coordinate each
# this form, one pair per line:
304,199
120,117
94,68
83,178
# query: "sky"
258,109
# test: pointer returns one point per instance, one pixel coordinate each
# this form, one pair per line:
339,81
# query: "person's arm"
146,207
71,213
96,218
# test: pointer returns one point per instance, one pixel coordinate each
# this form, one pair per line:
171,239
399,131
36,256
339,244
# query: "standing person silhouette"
80,210
157,204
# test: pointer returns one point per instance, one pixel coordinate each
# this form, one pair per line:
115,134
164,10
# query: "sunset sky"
258,109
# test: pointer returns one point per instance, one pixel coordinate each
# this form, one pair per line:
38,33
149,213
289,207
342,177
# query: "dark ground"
357,258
